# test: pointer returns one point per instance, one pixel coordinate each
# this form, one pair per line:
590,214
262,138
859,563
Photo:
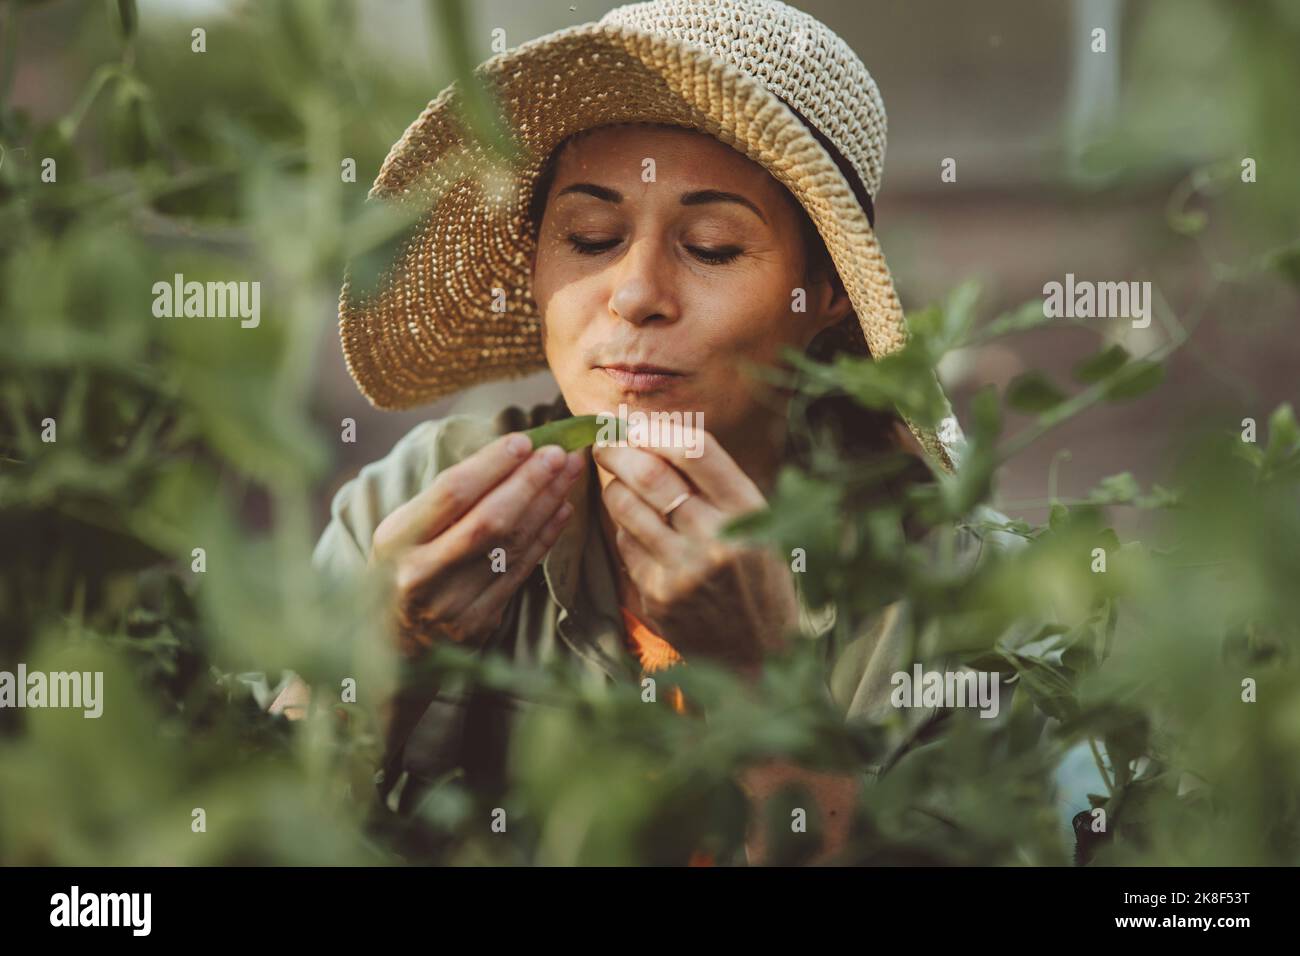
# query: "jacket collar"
582,584
580,580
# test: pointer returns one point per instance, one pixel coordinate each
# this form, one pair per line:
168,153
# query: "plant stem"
1101,766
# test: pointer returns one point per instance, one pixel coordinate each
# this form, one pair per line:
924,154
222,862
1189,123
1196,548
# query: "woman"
695,196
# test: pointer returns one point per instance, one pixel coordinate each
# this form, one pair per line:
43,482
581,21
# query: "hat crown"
794,55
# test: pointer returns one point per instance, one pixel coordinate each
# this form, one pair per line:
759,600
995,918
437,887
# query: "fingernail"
564,513
519,446
552,457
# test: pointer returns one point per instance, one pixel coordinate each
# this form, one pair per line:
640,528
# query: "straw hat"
762,77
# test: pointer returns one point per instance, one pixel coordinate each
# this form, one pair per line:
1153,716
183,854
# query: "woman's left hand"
705,596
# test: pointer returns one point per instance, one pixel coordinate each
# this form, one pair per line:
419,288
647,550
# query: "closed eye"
717,257
588,248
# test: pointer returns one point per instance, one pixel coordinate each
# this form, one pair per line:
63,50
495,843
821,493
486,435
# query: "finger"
709,467
495,520
452,494
544,505
292,701
637,561
632,513
498,593
661,485
507,518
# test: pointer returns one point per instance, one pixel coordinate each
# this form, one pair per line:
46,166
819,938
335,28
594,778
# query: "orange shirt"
656,654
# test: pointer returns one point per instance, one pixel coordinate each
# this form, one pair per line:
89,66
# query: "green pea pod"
569,433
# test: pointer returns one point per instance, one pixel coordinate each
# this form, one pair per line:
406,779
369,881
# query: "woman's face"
666,264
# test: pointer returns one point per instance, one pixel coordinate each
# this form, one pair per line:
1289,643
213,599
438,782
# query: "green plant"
127,546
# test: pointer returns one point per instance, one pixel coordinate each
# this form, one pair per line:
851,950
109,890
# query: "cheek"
548,290
752,314
562,310
561,304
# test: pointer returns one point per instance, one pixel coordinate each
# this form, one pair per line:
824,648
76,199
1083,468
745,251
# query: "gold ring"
675,504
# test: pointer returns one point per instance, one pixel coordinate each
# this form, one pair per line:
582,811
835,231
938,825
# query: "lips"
642,379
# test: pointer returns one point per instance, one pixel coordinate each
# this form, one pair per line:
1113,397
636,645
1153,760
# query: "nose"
644,290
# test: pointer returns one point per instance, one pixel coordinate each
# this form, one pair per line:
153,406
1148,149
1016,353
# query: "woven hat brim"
454,307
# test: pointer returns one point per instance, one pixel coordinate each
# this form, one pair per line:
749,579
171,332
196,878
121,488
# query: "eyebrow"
697,198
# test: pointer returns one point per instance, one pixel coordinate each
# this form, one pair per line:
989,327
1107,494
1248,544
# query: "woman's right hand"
439,545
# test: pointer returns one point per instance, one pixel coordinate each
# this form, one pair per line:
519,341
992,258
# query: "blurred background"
1115,164
1066,160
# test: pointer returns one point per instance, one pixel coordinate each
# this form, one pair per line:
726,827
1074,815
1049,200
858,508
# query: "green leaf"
1126,743
1026,316
1100,366
946,326
1188,223
1047,685
1082,652
1287,262
904,380
959,312
1033,392
990,661
1115,489
1160,497
1058,518
974,479
1013,525
1134,379
1252,454
1283,435
800,505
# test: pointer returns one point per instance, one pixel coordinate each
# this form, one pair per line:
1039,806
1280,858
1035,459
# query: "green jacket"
567,608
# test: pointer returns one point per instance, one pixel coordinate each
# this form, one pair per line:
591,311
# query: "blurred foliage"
170,433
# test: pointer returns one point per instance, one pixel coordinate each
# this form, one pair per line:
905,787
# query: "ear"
829,304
